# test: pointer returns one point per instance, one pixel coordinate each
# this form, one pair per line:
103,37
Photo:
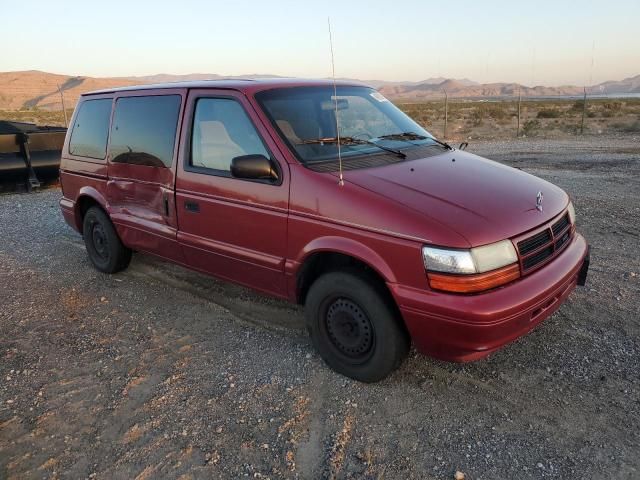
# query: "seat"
286,128
214,147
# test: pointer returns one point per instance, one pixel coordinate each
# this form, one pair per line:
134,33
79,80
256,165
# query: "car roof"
247,85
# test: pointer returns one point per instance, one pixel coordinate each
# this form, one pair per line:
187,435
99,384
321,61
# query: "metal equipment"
29,155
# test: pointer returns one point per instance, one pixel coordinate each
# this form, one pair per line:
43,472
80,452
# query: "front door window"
222,131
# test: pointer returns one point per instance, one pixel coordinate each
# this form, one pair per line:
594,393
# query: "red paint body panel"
240,232
465,193
260,235
141,197
468,327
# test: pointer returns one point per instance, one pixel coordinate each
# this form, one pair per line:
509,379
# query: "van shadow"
248,305
418,371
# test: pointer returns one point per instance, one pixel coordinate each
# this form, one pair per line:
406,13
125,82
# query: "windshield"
369,123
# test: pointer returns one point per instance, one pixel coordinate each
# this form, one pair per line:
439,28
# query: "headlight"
473,270
572,213
450,261
477,260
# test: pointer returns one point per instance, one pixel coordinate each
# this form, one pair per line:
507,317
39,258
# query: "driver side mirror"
255,167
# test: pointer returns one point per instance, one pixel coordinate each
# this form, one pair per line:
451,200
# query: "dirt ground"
158,372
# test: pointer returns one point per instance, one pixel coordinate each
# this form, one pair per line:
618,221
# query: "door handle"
192,206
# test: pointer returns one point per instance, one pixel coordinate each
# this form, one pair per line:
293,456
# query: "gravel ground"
160,372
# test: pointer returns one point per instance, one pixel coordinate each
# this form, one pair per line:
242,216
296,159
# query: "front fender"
352,248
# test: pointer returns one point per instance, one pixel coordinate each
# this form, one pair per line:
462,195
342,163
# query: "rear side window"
143,131
91,128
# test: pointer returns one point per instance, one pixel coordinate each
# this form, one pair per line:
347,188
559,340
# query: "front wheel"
354,326
104,247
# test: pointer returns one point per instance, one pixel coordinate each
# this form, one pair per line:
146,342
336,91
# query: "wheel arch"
88,197
333,253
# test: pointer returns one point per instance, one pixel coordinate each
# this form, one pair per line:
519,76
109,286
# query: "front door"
232,228
140,190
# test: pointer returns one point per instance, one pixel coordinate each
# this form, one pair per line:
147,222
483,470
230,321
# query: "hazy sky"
541,42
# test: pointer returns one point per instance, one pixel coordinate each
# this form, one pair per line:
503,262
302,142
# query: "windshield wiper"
413,136
352,141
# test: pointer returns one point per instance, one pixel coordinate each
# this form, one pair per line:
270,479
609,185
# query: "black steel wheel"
355,326
100,242
349,329
104,247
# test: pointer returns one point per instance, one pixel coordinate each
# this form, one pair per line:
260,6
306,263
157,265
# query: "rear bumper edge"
68,209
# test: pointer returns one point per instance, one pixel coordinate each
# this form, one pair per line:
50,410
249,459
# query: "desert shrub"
421,112
591,114
491,110
608,114
613,106
570,128
578,105
477,116
498,113
40,117
455,109
549,113
627,127
530,128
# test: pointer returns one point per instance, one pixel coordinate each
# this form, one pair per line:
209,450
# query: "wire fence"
460,119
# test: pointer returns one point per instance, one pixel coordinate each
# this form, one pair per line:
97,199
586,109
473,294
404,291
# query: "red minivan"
328,196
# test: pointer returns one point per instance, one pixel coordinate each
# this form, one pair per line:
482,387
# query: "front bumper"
468,327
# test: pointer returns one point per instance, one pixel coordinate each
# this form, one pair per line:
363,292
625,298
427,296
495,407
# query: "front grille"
560,225
540,247
537,257
562,240
532,243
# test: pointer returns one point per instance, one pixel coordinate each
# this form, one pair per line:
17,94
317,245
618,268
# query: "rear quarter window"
143,131
91,129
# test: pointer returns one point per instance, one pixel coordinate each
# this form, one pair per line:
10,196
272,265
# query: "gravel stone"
138,384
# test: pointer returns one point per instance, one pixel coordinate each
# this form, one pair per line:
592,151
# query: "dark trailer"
29,155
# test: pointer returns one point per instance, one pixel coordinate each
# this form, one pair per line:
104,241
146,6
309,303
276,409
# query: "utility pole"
584,110
519,101
64,110
446,114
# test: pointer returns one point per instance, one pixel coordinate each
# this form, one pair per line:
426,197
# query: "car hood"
481,200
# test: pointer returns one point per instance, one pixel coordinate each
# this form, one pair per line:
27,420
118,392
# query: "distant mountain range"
456,88
33,88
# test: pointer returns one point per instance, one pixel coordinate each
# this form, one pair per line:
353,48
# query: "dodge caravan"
333,199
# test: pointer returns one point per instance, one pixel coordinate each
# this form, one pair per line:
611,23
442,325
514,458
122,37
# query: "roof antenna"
335,98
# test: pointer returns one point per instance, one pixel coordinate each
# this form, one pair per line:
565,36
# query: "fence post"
64,110
584,109
446,112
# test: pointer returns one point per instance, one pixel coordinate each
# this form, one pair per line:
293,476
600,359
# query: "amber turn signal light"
474,283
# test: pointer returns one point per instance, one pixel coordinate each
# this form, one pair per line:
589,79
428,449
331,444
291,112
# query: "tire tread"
373,297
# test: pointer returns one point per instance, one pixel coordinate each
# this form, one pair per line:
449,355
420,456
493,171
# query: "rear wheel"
354,326
105,250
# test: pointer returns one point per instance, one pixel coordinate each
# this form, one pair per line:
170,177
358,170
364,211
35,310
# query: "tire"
355,327
104,247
